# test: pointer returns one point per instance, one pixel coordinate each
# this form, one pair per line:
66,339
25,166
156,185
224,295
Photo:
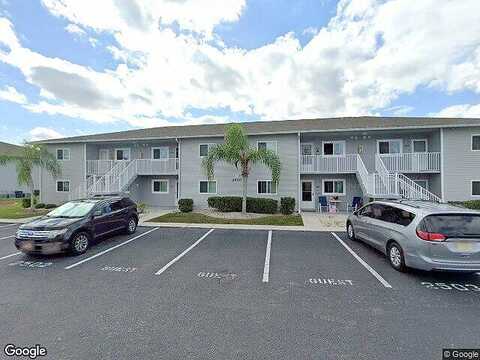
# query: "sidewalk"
19,221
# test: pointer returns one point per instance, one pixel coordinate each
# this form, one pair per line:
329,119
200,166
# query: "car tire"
131,226
351,232
80,243
396,257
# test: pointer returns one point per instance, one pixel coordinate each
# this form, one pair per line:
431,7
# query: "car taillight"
428,236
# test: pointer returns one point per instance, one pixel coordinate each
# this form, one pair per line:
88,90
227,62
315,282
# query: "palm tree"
237,151
32,156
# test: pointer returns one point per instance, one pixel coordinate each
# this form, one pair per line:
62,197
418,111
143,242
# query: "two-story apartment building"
428,158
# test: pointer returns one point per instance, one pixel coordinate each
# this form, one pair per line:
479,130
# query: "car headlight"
54,233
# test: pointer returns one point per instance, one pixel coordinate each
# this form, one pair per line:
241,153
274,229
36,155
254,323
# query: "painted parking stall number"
31,264
329,282
451,286
121,269
216,275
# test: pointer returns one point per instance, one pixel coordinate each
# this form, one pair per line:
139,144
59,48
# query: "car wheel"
131,226
396,258
80,243
350,231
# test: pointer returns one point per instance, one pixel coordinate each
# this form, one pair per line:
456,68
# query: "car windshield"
452,225
72,210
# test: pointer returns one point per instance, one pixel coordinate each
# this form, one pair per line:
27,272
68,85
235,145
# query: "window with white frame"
422,183
122,154
333,187
476,188
267,145
208,187
63,186
160,153
475,142
385,147
160,186
266,187
419,145
205,148
63,154
333,148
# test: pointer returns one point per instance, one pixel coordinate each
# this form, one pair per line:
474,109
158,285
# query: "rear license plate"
464,246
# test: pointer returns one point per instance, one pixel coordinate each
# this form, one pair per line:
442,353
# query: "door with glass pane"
419,157
308,198
307,157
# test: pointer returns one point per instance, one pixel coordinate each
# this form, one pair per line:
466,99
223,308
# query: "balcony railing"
412,162
328,164
145,166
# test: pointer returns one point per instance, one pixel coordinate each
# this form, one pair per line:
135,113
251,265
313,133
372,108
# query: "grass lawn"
12,209
195,218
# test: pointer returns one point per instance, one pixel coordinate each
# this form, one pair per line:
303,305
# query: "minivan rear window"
454,225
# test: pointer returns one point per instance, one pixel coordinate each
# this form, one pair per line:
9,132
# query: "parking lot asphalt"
174,293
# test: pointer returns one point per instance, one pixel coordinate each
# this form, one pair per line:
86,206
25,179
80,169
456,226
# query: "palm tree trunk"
244,200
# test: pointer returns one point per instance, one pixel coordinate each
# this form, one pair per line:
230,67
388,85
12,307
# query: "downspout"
179,170
442,165
298,174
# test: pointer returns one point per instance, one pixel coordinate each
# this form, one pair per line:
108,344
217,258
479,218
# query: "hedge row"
472,204
254,205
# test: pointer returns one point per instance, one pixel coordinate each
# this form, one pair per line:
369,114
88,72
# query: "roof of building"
277,127
10,149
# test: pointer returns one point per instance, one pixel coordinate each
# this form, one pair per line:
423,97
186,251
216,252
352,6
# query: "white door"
420,159
103,154
307,201
307,157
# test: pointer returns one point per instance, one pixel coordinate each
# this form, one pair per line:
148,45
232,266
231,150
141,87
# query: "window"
160,153
208,187
366,211
307,149
422,183
394,215
419,145
63,154
266,187
389,146
453,225
205,148
160,186
116,205
267,145
334,187
476,188
333,148
122,154
475,142
63,186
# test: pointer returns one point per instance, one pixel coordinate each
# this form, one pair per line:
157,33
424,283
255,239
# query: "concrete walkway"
324,222
19,221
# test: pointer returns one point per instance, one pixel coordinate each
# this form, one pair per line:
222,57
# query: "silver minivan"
420,234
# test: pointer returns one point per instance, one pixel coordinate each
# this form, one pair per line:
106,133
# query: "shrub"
262,205
472,204
185,205
26,203
50,206
287,205
225,203
141,208
40,206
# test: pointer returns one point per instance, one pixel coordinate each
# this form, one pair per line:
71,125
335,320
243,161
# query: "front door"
308,198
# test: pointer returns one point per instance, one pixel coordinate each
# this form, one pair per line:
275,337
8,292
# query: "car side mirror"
97,213
355,213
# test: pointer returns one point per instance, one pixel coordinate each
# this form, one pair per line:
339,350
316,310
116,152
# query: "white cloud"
368,55
75,29
462,111
43,133
11,94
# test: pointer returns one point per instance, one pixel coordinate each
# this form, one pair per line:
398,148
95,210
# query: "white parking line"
266,268
364,264
3,226
7,237
9,256
109,249
183,253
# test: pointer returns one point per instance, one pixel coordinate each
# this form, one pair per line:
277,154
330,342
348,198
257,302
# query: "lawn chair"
323,203
357,203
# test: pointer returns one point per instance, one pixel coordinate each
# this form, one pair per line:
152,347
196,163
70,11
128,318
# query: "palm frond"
215,154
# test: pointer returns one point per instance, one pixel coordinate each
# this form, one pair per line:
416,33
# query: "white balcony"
144,166
320,164
412,162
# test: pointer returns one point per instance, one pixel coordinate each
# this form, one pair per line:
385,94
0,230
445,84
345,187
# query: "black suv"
75,225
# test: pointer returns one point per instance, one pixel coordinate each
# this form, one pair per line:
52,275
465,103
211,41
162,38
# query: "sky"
75,67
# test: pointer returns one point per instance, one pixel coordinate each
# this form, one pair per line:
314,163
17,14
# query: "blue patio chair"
357,203
323,203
